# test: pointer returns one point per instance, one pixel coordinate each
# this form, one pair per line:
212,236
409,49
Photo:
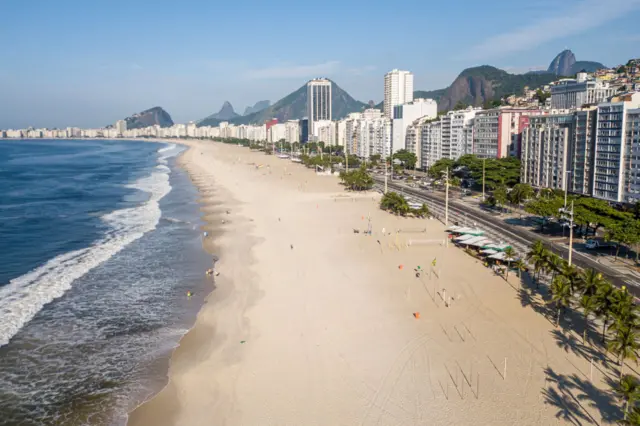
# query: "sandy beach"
313,324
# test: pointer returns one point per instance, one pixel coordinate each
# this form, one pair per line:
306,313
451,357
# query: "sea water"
99,243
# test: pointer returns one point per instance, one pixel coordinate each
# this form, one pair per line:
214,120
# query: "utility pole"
483,163
571,234
568,214
446,198
385,176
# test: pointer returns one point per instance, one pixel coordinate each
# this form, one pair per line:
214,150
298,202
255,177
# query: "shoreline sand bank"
311,323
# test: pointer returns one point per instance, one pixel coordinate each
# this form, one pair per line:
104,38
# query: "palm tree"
561,295
570,272
589,306
603,302
623,309
624,345
537,256
510,255
589,280
632,418
629,391
554,263
520,266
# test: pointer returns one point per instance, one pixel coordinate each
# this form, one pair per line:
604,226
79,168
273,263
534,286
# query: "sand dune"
312,324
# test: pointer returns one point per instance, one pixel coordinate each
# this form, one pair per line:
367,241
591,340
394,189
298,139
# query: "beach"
312,323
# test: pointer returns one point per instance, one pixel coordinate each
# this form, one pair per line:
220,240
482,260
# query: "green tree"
520,266
589,281
625,346
510,255
439,167
520,193
589,306
603,299
394,203
357,180
561,295
408,159
460,106
500,195
571,273
629,391
537,256
554,263
632,417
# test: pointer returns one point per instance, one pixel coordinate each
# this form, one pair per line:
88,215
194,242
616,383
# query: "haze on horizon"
89,64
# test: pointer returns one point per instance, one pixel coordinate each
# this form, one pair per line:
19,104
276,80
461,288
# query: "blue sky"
88,63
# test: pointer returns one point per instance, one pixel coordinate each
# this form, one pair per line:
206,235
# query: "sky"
89,63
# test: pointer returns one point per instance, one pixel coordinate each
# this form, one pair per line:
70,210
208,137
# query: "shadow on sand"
573,396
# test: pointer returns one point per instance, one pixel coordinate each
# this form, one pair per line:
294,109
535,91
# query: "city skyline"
123,63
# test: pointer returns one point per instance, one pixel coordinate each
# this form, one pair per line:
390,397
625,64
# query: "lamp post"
446,198
483,174
568,214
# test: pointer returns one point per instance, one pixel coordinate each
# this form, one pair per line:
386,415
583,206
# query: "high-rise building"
546,146
584,140
121,127
611,148
404,115
318,102
398,90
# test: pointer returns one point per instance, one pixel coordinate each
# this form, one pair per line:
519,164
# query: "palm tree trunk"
604,330
626,409
558,317
584,332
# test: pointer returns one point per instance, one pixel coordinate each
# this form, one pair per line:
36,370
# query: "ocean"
99,243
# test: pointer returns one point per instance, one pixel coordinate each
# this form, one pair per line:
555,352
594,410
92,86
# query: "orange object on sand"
416,315
400,266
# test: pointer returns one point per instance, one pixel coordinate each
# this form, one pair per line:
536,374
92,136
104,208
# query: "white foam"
25,296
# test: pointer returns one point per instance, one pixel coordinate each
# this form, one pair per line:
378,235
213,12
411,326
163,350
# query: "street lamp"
568,214
566,187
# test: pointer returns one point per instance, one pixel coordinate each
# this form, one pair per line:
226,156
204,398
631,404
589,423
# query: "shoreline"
311,323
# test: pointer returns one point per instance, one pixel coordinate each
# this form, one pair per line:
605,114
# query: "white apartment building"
412,141
318,102
574,93
430,142
632,135
121,126
191,129
341,133
326,132
457,133
611,147
546,151
276,133
292,131
404,115
398,90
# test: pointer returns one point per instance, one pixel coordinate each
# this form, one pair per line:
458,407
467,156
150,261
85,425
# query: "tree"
394,203
589,306
632,418
510,255
554,263
542,96
625,346
500,195
544,207
408,159
604,304
520,266
357,180
439,167
537,256
629,391
570,272
561,295
374,159
589,281
460,106
520,193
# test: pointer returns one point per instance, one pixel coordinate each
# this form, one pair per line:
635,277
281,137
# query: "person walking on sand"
291,246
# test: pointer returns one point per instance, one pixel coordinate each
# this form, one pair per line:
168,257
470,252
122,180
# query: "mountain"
294,107
259,106
565,64
562,63
419,94
226,113
149,117
588,66
477,85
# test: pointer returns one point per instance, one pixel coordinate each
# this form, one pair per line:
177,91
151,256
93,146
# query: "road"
522,239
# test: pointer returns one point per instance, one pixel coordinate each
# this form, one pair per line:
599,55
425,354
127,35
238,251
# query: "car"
595,244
